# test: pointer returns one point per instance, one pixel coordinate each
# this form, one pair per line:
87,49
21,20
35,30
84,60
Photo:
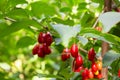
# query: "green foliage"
69,21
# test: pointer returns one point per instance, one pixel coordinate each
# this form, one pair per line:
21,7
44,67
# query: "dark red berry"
41,37
85,74
91,54
94,67
78,61
46,49
48,39
74,50
40,52
78,69
65,54
35,49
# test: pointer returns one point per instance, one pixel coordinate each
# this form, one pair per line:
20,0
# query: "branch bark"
105,45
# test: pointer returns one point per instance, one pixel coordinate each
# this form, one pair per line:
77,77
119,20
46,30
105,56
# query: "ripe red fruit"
78,69
94,67
99,76
91,54
35,49
78,61
46,49
40,52
119,73
85,74
91,75
41,37
74,50
48,39
65,54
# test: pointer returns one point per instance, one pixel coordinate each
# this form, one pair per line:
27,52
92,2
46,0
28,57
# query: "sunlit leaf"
109,19
66,32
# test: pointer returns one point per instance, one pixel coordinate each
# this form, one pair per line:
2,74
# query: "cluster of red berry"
96,67
77,66
42,48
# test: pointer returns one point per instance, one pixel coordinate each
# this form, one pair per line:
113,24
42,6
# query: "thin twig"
83,50
10,19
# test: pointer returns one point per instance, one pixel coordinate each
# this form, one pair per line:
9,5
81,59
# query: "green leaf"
109,57
17,14
109,19
50,76
39,8
25,42
65,9
100,36
16,26
65,22
83,40
66,32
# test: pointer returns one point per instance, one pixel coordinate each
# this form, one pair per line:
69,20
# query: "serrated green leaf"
109,57
50,76
66,32
25,42
109,19
39,8
101,36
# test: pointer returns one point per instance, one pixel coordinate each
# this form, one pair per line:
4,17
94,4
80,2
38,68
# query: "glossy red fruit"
91,75
40,52
94,67
48,39
78,61
65,54
41,37
78,69
74,50
46,49
85,74
91,54
119,73
35,49
99,76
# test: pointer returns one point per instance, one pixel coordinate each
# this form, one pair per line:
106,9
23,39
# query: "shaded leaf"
25,42
109,57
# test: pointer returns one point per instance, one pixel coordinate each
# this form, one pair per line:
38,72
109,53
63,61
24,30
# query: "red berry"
46,49
78,61
40,52
85,74
91,75
74,50
99,76
98,28
41,37
91,54
65,54
78,69
48,39
119,73
35,49
94,67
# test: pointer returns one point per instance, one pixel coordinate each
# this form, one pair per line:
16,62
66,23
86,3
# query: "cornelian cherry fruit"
74,50
65,54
